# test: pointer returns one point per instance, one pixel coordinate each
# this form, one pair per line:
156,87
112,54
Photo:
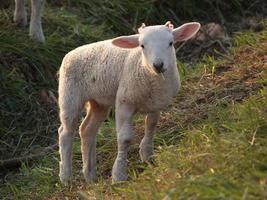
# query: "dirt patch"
236,78
211,39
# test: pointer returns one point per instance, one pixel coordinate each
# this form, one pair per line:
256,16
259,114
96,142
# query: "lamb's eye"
142,46
171,43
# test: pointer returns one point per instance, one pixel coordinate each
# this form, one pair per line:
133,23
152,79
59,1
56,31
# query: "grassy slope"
219,152
205,146
27,68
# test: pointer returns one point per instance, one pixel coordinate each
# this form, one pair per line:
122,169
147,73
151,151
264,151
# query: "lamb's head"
156,43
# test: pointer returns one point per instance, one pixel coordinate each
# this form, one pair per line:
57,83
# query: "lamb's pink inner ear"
186,31
126,41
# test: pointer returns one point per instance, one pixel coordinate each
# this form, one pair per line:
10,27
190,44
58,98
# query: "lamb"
136,73
20,18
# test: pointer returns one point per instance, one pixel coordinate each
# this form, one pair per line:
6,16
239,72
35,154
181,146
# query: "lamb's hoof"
119,170
36,33
65,175
20,21
89,177
146,153
119,177
38,37
65,180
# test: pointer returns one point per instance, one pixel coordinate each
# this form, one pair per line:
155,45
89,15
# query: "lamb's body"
135,78
117,73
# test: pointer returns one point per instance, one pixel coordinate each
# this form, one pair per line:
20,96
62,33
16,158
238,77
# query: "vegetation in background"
28,70
125,16
210,144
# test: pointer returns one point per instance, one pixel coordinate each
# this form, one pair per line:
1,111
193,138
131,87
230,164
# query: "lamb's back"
95,69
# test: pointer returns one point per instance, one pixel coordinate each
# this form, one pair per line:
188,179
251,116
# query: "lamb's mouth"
162,70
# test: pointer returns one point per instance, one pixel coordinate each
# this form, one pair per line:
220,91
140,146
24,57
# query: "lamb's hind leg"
69,112
96,114
20,14
146,145
36,30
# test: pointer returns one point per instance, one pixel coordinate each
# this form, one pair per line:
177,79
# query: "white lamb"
136,73
20,18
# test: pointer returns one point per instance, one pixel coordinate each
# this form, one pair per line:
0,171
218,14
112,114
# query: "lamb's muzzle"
159,67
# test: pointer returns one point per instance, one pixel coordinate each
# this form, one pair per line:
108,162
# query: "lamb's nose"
158,66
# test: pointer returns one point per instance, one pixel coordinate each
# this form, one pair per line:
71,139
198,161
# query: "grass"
210,144
125,16
221,158
28,70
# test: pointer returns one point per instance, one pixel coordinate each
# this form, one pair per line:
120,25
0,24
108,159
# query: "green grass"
221,158
204,144
27,68
218,153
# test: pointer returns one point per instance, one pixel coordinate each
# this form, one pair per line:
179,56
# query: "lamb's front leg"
124,114
146,145
36,30
20,14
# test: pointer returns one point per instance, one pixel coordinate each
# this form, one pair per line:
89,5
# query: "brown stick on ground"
16,162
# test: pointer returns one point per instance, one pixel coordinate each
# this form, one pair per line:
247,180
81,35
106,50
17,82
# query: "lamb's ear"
186,31
130,41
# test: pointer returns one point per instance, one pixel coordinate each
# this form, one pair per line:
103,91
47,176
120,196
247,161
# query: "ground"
211,143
